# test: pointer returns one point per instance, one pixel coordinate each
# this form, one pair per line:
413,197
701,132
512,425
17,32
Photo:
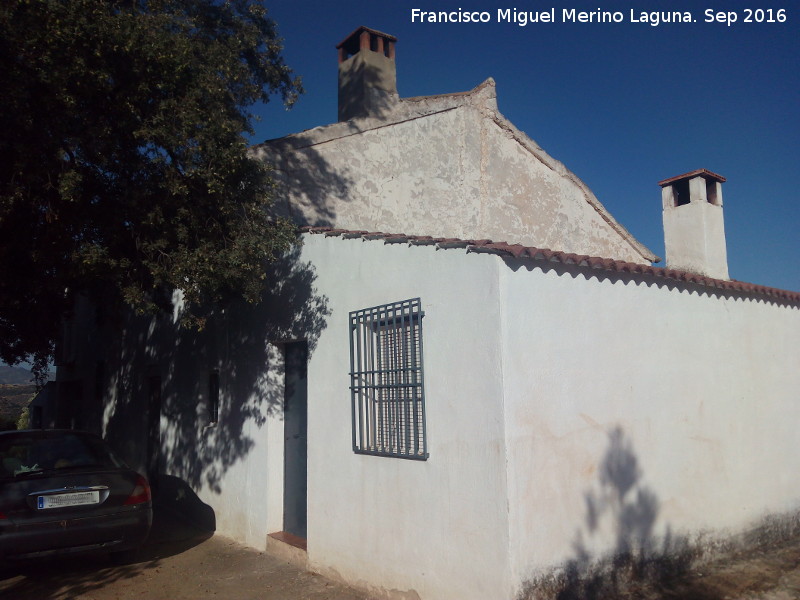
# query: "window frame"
387,389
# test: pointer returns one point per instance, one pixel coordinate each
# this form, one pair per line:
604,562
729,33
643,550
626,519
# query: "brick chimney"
694,230
367,74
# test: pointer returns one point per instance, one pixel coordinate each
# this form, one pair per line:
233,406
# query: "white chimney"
694,229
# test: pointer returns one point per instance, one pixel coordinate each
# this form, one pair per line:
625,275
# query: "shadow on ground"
180,522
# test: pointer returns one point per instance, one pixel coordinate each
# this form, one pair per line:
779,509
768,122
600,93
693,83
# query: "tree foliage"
123,161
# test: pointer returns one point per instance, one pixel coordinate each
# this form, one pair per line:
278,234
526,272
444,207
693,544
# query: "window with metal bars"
386,380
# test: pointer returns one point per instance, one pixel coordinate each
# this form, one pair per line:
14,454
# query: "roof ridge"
568,258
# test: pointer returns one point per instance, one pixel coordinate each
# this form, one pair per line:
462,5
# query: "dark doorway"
153,428
295,438
69,407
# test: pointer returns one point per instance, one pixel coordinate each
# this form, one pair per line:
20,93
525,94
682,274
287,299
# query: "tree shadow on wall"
640,565
301,171
307,187
233,352
362,91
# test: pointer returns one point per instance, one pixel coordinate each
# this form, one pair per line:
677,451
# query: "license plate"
71,499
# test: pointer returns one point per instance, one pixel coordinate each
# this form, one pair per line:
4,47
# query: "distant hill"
13,399
15,375
17,389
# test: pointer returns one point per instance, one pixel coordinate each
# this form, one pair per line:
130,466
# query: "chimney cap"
358,30
699,172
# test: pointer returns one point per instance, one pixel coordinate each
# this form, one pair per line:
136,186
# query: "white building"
427,413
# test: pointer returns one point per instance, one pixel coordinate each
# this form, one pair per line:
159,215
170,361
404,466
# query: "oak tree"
124,165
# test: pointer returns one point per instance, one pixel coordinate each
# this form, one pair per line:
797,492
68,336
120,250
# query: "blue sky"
623,105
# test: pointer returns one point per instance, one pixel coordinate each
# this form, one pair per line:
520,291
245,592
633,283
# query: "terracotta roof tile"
396,238
453,243
362,28
581,260
421,240
515,250
353,234
691,174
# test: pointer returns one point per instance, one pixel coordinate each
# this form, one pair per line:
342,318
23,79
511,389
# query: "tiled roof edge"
582,260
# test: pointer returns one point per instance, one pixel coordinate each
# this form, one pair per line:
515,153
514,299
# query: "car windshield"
31,452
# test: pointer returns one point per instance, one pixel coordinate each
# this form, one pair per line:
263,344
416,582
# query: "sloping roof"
370,30
704,172
519,251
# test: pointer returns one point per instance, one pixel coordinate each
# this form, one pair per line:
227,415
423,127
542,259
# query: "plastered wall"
640,415
436,528
449,166
571,414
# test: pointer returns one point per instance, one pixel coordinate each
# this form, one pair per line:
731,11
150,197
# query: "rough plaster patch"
450,166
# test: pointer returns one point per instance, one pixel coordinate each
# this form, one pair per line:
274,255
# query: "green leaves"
124,163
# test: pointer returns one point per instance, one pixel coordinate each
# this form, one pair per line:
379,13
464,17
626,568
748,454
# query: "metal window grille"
386,380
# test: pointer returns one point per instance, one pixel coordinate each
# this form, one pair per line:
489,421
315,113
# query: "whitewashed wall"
415,167
436,528
636,409
549,393
440,527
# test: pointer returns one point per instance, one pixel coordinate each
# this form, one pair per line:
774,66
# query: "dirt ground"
769,574
180,562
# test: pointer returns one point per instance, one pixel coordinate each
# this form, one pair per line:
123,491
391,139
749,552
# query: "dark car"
64,492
